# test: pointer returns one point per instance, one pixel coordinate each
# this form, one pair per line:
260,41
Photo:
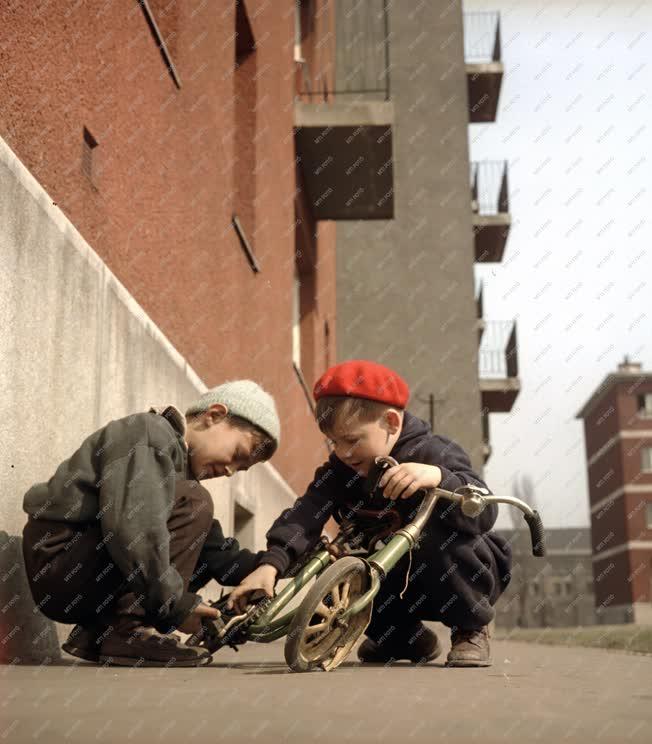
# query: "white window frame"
646,410
298,56
646,459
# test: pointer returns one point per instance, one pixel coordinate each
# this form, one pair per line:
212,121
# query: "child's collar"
175,417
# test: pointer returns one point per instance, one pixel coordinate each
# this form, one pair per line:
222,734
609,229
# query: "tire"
306,650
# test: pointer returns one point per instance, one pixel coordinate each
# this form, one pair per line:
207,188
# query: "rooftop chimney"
629,367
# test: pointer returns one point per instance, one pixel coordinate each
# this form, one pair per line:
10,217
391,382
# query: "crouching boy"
459,568
122,536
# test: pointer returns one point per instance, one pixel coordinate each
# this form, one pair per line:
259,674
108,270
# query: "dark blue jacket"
298,528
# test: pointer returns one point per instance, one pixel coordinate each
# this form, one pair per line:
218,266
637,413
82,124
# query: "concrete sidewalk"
531,692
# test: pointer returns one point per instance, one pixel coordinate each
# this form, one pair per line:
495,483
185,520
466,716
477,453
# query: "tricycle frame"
260,622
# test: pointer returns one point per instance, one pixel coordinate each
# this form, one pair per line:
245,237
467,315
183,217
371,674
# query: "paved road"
531,693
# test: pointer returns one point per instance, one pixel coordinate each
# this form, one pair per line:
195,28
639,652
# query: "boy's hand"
406,478
261,578
192,623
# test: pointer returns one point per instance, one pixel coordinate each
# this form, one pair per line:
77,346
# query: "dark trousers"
72,576
454,579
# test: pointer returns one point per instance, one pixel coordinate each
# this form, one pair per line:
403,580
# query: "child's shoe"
470,648
419,647
84,641
136,645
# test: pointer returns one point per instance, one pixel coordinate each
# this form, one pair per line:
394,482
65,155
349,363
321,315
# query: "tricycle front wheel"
317,637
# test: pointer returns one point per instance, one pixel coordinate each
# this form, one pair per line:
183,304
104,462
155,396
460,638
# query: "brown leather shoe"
470,648
419,647
84,641
136,645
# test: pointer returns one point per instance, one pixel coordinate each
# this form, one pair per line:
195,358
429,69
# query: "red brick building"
165,132
618,432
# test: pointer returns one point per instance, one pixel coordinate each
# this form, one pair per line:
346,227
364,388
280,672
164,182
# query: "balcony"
498,366
484,68
343,132
490,207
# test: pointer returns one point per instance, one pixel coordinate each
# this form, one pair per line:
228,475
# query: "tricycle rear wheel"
317,638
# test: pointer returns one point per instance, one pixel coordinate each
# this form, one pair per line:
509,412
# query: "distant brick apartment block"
618,433
556,591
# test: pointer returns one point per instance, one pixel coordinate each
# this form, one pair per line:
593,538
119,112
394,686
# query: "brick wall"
169,170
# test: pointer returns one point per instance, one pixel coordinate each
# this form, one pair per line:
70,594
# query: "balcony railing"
482,37
490,206
343,129
362,54
498,354
484,67
489,190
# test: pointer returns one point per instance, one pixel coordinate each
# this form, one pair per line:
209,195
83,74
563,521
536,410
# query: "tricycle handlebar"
473,500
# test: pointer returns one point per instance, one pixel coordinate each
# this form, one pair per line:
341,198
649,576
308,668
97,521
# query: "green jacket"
124,474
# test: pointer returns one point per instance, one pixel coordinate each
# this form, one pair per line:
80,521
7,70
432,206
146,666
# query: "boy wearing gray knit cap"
230,427
122,536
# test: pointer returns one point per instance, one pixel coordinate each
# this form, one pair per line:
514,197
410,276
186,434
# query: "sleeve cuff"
182,609
449,480
277,557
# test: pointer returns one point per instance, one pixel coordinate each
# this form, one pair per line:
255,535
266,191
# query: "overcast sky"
577,271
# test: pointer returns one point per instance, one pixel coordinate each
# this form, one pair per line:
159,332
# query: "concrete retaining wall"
76,350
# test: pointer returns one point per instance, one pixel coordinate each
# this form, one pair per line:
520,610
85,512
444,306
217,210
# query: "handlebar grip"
536,533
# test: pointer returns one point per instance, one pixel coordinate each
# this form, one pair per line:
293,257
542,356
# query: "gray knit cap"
244,398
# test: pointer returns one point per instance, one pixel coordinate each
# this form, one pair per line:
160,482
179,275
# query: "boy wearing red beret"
459,568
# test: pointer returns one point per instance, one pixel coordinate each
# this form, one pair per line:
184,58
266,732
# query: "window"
645,405
648,515
327,344
296,321
646,459
302,341
305,326
89,145
304,18
297,32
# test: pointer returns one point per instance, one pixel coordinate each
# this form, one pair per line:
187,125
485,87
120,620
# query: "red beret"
361,379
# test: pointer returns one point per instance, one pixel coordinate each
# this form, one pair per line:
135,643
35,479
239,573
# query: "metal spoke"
322,610
312,629
335,593
345,593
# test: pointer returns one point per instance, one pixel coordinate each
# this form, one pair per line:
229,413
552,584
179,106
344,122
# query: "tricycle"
323,629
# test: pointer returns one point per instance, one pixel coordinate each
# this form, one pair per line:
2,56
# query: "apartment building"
617,421
405,276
